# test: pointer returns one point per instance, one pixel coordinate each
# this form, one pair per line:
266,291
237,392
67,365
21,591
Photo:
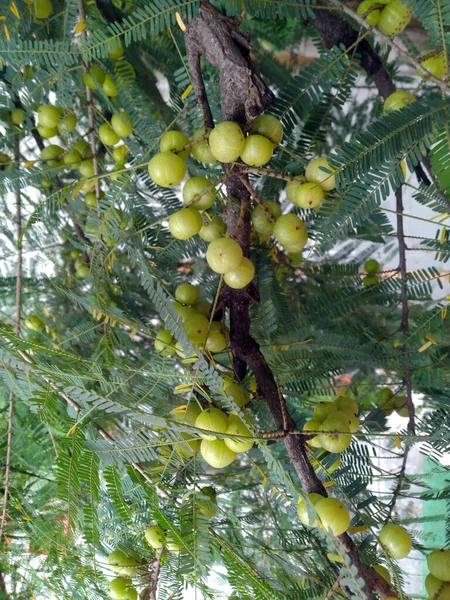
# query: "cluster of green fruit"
80,264
437,582
371,267
390,402
126,565
336,421
392,18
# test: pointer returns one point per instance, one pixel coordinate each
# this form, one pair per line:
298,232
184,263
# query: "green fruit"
34,323
396,540
123,564
313,425
206,508
333,515
109,87
84,148
372,17
226,141
323,410
395,16
184,311
90,200
237,427
47,132
439,564
67,123
383,572
181,353
186,293
371,280
264,217
202,151
174,141
371,266
72,157
353,423
218,337
216,453
434,63
346,404
199,185
82,271
257,150
74,253
268,126
238,393
51,152
119,154
132,594
167,169
186,413
212,230
315,173
401,406
42,8
437,589
48,116
398,100
203,307
95,76
4,160
309,195
107,136
241,276
304,515
290,230
155,536
164,343
17,116
196,327
115,49
336,437
122,124
224,254
28,71
185,223
189,447
212,419
118,588
86,168
292,187
385,394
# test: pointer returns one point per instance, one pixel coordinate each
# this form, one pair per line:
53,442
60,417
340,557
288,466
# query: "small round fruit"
302,510
184,311
237,427
223,254
86,168
109,87
346,404
372,17
196,327
323,410
353,423
17,116
132,594
292,187
90,200
241,276
67,123
119,154
238,393
434,63
123,564
47,132
83,148
371,280
122,124
118,588
264,217
371,266
186,293
155,536
289,230
437,589
115,49
42,8
257,150
82,271
199,185
167,169
315,173
206,509
226,141
383,572
48,115
212,419
218,337
186,413
313,425
74,253
95,76
333,515
185,223
336,437
216,453
395,16
398,100
401,406
174,140
72,157
164,343
202,151
396,540
107,135
268,126
439,564
203,307
34,323
51,152
212,230
309,195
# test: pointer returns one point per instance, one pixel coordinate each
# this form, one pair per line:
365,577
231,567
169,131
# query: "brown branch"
151,591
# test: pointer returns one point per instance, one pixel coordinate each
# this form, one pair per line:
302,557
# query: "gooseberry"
383,572
107,135
118,588
184,311
155,536
212,419
167,169
237,427
371,280
203,307
72,158
218,337
439,564
34,323
43,8
48,115
51,152
109,87
196,326
174,140
216,453
302,509
401,406
263,217
336,437
86,168
196,186
309,195
398,100
289,230
346,404
67,123
123,564
268,126
238,393
164,343
122,124
396,540
185,223
322,410
395,16
213,230
119,154
83,148
434,63
315,173
313,425
241,276
90,200
82,271
333,515
437,589
115,49
95,76
201,151
371,266
226,141
292,187
47,132
186,293
372,17
223,254
257,150
186,413
17,116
